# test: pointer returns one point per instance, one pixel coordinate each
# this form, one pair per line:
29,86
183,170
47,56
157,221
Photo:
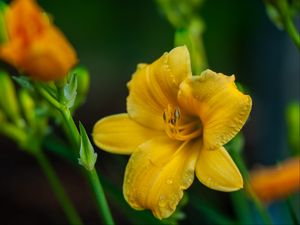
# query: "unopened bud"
28,106
83,84
8,99
88,157
292,118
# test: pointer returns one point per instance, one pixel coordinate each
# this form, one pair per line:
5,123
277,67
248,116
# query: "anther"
174,127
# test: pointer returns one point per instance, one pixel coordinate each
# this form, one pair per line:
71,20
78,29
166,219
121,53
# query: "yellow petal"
155,86
119,134
157,173
216,170
222,108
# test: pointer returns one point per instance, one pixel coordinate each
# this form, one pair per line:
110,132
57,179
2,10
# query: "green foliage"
281,13
24,82
236,144
88,157
83,84
190,37
28,106
179,13
293,123
274,15
2,117
8,100
68,95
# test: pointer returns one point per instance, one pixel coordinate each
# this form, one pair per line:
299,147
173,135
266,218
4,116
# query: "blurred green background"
111,37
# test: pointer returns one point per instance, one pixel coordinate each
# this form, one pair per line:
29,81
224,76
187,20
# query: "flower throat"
176,128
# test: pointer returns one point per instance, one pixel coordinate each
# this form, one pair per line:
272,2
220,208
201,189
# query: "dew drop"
169,181
162,201
187,178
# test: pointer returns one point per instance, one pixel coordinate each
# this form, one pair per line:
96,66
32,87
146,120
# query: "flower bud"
35,45
292,119
83,79
83,84
8,99
28,106
88,157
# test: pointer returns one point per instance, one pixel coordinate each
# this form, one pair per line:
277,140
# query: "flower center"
177,128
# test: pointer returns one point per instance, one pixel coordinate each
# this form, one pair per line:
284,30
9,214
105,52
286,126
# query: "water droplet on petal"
169,181
174,201
162,201
187,178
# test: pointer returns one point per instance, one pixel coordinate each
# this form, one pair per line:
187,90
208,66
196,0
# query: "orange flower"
276,182
34,44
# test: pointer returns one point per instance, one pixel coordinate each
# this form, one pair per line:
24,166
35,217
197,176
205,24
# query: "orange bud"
34,44
276,182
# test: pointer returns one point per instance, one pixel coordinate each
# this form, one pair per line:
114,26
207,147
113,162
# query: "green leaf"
88,157
24,82
213,214
274,15
236,144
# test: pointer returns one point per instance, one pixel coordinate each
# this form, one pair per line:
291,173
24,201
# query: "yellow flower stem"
18,135
257,203
58,189
91,175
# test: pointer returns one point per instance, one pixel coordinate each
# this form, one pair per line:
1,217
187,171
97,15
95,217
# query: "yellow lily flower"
176,126
285,179
34,44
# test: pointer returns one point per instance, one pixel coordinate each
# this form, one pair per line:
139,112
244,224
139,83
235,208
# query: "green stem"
241,207
92,175
100,197
258,204
19,136
291,211
283,7
13,132
71,126
58,189
292,31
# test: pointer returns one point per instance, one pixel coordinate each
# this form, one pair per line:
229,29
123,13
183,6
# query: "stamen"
176,130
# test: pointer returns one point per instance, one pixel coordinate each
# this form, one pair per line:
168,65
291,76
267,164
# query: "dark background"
111,37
